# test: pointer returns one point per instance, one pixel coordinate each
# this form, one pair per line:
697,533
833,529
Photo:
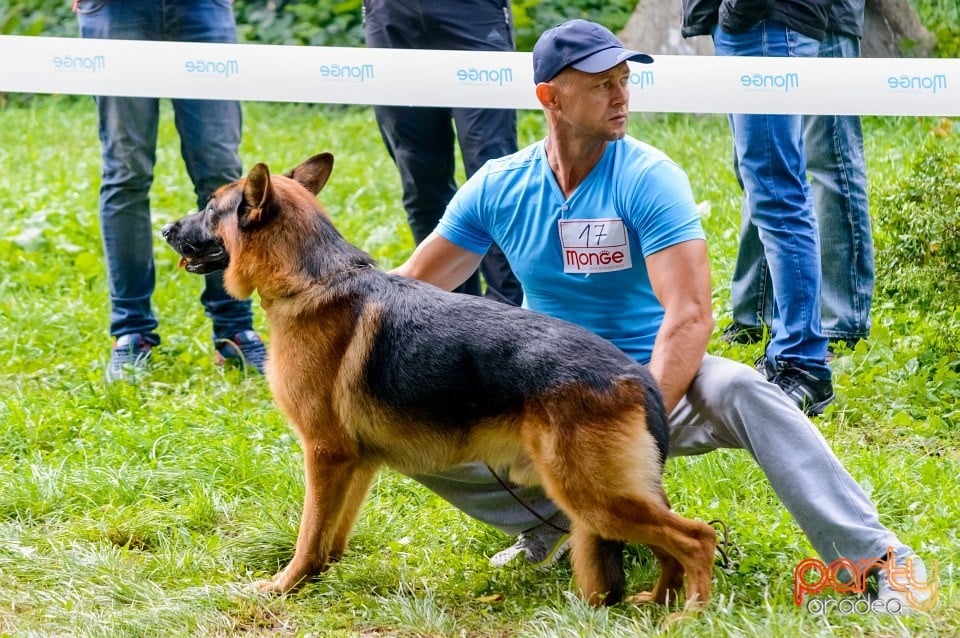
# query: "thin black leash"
517,498
723,544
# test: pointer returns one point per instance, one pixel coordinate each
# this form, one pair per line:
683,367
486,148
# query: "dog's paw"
266,587
642,598
690,611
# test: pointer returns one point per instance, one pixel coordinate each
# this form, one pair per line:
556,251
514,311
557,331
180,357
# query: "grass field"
148,510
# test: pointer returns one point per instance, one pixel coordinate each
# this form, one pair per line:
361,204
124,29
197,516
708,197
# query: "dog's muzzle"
198,255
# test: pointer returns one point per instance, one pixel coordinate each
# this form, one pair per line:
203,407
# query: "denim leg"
730,405
751,293
128,136
209,133
773,168
209,140
837,170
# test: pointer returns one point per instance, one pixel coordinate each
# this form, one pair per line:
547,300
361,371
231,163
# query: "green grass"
148,510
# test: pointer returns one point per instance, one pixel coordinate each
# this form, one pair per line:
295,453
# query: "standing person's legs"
837,170
773,168
729,405
209,138
751,292
128,135
420,141
485,134
210,133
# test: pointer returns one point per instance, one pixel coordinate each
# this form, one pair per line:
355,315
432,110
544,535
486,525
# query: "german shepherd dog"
376,369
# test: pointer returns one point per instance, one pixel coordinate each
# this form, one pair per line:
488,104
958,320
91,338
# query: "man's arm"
440,262
680,276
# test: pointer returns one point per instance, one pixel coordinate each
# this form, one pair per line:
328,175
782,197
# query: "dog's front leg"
331,474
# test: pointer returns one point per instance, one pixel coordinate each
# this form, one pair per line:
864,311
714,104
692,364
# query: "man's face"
596,104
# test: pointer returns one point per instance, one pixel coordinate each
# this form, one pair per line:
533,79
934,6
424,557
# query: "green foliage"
531,17
37,17
336,23
918,225
942,19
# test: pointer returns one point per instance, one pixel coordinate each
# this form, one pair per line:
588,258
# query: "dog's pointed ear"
259,200
314,172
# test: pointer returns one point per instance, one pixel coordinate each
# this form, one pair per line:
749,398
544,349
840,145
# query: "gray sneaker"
908,589
129,358
541,546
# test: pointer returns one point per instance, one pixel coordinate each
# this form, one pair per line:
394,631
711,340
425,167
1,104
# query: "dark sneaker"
765,368
739,333
129,358
807,392
244,348
541,546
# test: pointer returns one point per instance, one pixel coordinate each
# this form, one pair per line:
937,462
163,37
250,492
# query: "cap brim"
608,58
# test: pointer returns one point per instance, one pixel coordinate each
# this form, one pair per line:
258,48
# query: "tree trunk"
891,28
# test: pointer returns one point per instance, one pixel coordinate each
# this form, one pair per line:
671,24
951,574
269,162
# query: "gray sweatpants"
729,405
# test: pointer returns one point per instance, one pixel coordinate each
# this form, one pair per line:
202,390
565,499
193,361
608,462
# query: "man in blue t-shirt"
602,230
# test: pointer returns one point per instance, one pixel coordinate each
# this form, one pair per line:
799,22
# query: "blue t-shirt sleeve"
463,221
662,207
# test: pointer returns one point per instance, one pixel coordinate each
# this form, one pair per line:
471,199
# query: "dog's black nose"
167,229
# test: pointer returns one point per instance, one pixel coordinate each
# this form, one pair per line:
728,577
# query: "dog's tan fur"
345,342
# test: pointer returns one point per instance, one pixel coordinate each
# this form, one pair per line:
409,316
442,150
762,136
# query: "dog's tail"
657,419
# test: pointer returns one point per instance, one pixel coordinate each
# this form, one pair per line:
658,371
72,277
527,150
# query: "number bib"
594,245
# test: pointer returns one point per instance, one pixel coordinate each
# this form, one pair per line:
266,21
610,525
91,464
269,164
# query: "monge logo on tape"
473,75
918,83
771,82
347,72
641,80
219,68
84,64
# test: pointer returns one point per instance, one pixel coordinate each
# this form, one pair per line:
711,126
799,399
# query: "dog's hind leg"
598,564
331,472
669,584
606,474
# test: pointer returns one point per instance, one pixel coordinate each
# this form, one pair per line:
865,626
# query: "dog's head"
240,215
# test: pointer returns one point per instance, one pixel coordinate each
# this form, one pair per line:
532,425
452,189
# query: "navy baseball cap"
584,45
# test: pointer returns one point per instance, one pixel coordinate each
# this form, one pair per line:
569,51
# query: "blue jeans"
770,156
209,138
837,171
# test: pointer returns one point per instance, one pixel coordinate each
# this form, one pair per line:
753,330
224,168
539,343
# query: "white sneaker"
906,587
541,546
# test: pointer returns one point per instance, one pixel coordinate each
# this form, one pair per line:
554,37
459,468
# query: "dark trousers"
421,140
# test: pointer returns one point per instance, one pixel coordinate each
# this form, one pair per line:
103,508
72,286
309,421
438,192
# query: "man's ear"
314,172
259,200
547,95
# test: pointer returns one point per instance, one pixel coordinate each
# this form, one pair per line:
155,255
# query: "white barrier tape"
340,75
